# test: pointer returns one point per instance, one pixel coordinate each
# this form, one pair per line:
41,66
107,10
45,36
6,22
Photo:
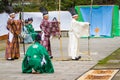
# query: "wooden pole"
22,18
61,51
89,28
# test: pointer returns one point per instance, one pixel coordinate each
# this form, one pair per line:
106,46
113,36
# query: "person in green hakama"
25,34
31,29
37,59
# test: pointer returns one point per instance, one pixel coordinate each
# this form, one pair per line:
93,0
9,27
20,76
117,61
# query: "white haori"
77,30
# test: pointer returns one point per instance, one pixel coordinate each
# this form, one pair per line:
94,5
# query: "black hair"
38,38
30,19
26,20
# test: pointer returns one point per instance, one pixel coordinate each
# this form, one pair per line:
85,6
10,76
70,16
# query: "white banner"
64,16
3,23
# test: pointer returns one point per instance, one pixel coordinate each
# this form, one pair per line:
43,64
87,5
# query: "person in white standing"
77,30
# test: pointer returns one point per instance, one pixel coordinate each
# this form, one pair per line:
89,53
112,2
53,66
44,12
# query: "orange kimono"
12,46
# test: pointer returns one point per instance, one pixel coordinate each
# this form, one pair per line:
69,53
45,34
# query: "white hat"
11,13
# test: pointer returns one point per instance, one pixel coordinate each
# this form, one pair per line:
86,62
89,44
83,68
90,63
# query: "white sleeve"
81,29
42,36
10,36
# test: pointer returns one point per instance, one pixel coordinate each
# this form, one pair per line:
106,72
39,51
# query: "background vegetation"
33,5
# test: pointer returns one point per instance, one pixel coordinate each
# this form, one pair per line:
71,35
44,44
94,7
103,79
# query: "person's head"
10,10
44,12
38,38
75,16
73,13
30,20
46,17
26,21
12,15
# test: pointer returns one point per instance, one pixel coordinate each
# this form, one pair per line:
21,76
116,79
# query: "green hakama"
31,31
37,58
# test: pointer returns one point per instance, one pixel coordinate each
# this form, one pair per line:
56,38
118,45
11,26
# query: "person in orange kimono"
14,29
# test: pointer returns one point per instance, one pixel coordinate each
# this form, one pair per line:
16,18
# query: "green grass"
114,56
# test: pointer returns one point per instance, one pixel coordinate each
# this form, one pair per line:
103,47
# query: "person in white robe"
77,30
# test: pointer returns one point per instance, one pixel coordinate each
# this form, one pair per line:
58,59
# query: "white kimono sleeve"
80,29
10,36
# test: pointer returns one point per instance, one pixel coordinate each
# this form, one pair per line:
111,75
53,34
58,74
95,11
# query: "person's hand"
59,22
89,24
22,20
59,36
51,37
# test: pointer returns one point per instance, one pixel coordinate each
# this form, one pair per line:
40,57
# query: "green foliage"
31,8
2,7
54,4
65,4
18,8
